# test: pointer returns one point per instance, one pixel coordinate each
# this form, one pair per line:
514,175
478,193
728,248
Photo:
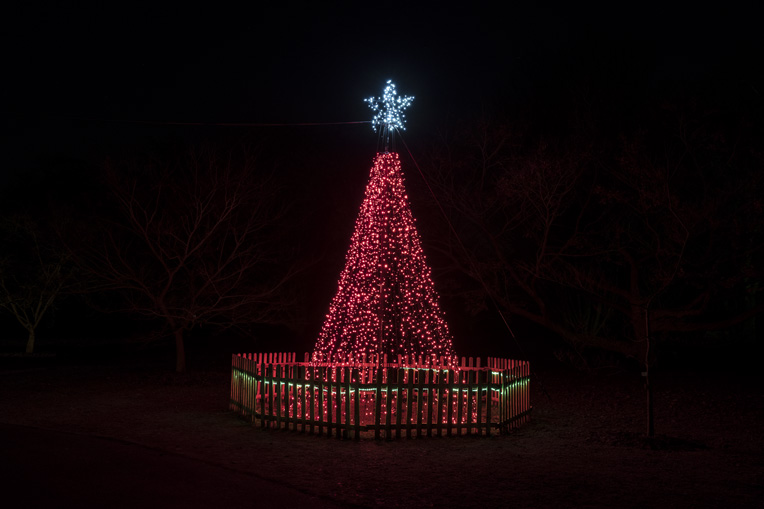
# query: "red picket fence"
374,397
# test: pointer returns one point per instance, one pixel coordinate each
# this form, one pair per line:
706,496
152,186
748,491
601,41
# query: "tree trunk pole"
180,352
30,341
646,374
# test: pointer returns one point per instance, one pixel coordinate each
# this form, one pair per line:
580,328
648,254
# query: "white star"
389,108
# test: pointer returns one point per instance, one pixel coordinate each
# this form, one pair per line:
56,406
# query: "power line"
221,124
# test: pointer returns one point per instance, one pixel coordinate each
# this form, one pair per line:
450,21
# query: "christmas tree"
386,302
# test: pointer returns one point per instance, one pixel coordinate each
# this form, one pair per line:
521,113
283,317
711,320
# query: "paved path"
43,468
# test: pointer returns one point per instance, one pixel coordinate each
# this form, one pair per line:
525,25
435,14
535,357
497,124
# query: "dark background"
76,77
84,84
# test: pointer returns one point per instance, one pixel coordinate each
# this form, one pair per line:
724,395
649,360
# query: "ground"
165,439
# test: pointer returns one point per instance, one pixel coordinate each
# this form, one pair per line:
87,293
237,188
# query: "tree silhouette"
647,234
193,242
34,272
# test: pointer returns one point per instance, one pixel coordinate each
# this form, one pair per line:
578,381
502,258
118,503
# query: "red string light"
386,302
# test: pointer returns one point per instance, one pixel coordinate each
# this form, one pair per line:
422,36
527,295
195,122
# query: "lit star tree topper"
389,109
386,303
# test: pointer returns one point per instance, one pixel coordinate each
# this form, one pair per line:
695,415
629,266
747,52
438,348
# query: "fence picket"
422,393
489,403
398,400
320,408
470,395
329,409
479,401
356,402
459,401
312,399
420,374
409,400
302,389
430,399
346,380
378,403
388,401
294,376
449,406
280,408
441,385
269,422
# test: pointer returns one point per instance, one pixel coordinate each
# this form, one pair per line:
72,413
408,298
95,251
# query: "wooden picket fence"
374,397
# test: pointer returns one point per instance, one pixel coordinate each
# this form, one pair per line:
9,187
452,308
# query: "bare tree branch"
195,241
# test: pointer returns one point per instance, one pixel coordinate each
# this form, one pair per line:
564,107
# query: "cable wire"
222,124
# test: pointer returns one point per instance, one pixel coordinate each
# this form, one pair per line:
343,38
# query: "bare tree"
193,242
505,200
645,234
33,273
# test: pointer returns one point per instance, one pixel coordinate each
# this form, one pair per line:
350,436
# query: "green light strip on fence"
395,389
237,374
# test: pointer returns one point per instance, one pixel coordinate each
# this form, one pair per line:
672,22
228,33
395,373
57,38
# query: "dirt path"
44,468
582,448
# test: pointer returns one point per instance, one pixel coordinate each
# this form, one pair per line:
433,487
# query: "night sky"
75,77
81,85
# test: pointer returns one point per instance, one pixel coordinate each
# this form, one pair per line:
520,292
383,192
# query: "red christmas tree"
386,302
